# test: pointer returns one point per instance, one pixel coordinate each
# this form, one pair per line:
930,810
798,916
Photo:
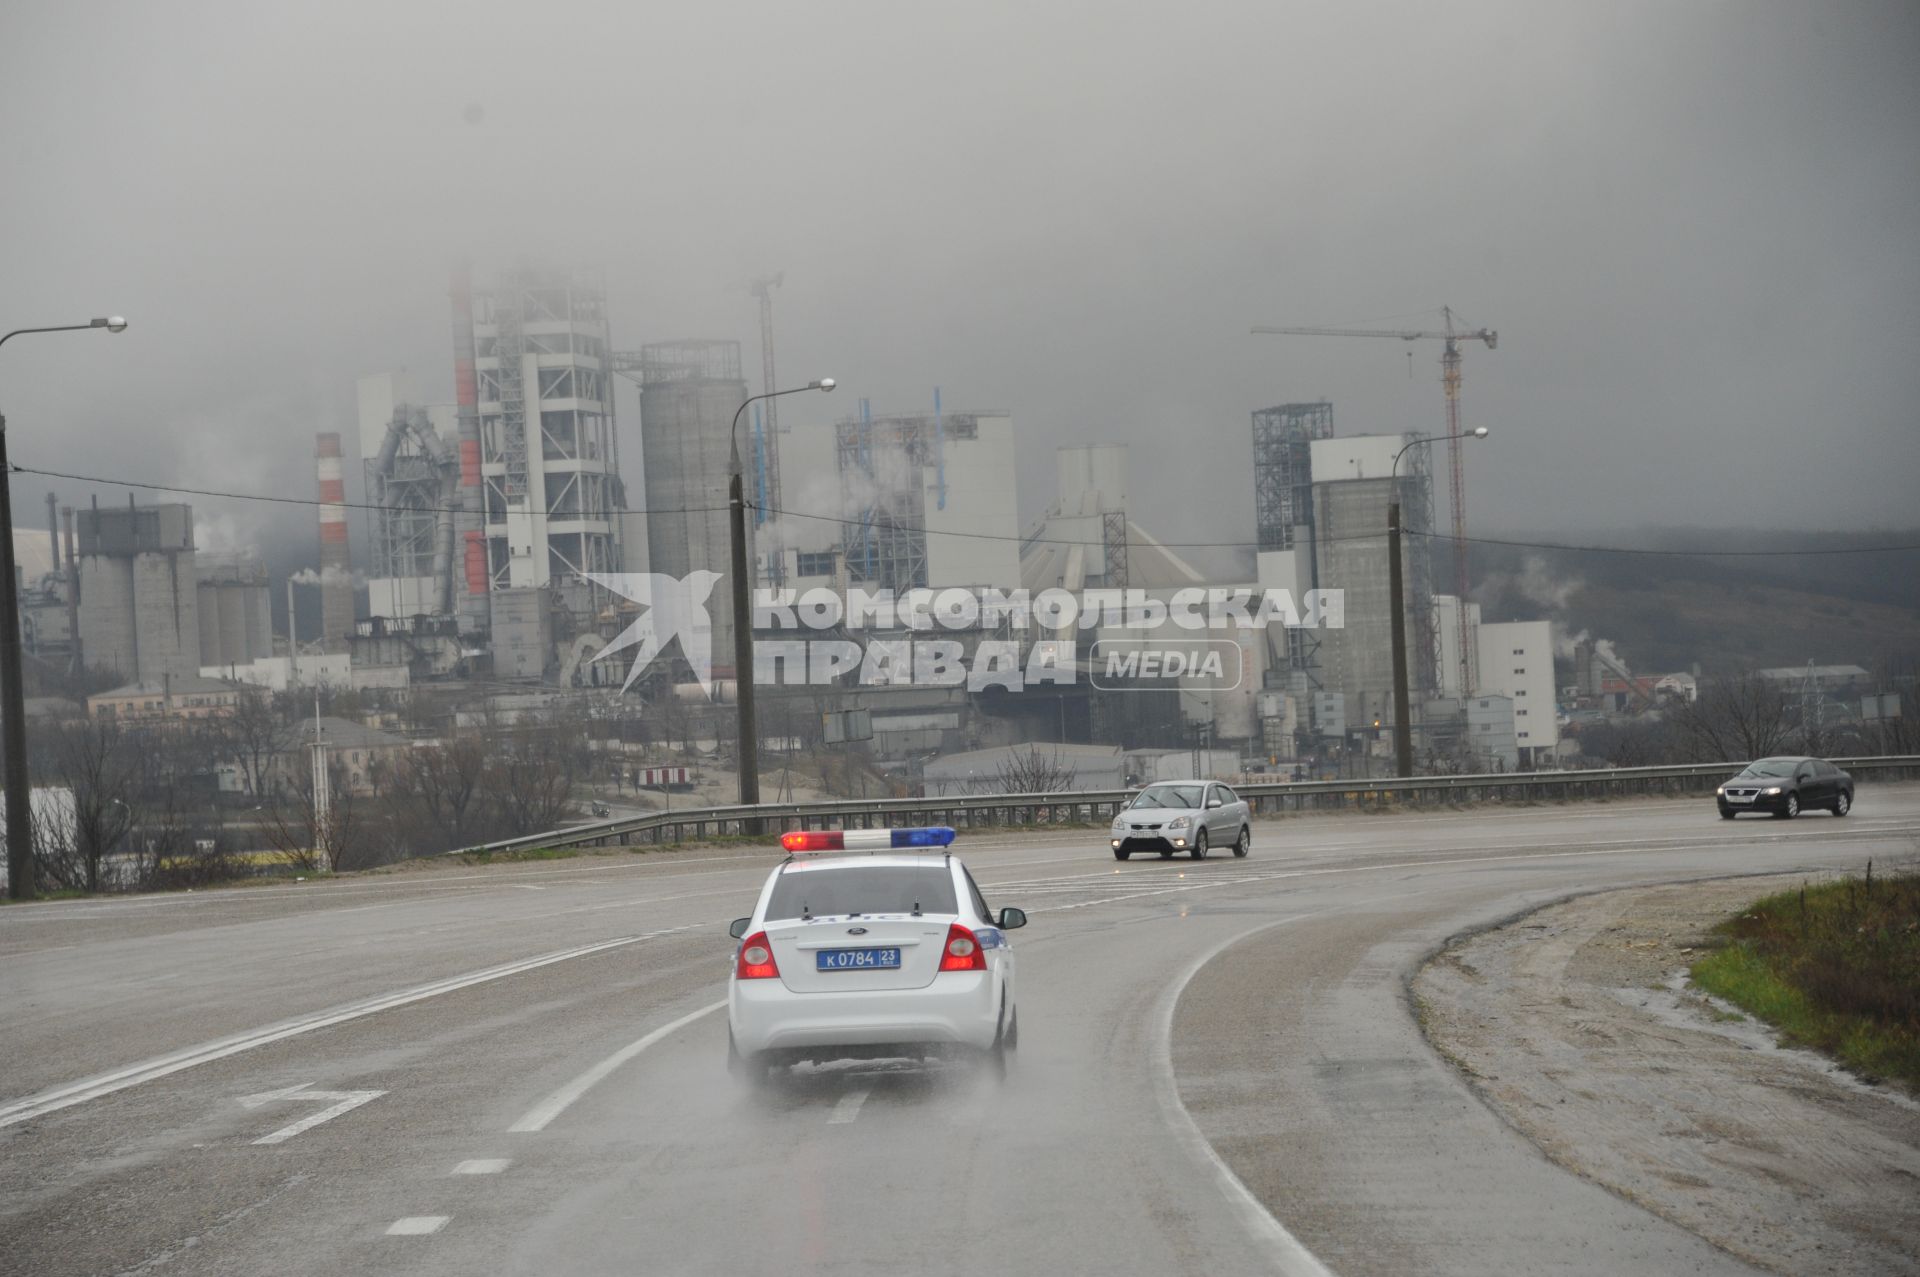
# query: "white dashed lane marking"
417,1225
482,1166
848,1108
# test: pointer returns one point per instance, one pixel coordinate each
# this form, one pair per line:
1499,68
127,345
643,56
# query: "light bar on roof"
801,840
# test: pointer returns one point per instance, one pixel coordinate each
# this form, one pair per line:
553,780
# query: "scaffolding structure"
549,450
406,498
1283,470
883,484
413,482
1113,539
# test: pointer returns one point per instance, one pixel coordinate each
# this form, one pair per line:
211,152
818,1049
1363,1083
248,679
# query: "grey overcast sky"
1696,226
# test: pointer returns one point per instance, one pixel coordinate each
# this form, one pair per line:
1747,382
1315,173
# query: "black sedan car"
1785,787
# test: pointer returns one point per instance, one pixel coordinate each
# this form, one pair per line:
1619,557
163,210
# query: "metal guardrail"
973,811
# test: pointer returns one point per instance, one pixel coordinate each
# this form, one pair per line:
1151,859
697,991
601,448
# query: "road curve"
1218,1072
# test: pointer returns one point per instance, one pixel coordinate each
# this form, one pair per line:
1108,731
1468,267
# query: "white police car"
887,954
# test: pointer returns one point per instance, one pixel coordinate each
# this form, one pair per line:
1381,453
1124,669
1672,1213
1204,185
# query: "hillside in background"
1668,612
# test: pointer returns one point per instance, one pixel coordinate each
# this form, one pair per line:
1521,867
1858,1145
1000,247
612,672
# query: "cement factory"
475,567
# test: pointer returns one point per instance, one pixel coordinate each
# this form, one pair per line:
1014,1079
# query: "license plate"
1740,798
857,959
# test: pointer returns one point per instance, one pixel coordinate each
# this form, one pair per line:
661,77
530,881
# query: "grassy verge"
1834,966
508,857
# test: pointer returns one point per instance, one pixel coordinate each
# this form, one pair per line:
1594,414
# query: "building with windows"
1492,743
189,696
1516,662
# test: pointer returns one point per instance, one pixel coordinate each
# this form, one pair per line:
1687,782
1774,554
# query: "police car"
870,943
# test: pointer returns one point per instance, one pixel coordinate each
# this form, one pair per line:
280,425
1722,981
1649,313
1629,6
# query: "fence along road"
1266,798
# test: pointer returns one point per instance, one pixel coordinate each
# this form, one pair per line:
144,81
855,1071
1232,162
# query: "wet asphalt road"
521,1069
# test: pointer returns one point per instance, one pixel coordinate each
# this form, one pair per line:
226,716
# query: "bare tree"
316,837
1642,742
445,780
98,765
1737,718
1032,772
528,784
253,733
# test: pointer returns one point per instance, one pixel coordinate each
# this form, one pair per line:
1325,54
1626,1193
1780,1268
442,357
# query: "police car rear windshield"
816,893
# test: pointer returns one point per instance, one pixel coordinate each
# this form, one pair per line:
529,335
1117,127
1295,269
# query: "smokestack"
471,575
336,561
53,528
78,662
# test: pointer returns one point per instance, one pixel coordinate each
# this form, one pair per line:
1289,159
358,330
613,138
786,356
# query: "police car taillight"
963,951
803,840
756,959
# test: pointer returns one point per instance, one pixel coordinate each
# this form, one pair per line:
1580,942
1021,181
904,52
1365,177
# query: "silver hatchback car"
1193,816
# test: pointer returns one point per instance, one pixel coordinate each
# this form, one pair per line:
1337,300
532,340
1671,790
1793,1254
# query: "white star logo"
676,606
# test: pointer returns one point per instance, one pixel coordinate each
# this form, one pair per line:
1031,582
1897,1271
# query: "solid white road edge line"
205,1053
554,1105
1288,1254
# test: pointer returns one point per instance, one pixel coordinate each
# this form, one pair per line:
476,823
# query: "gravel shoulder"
1569,1023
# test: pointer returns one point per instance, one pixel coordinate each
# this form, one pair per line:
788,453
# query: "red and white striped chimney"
336,560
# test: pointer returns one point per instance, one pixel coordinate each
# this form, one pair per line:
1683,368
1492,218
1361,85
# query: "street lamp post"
13,692
1402,715
748,744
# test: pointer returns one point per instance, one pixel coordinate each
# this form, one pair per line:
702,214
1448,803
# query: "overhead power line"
1381,535
273,499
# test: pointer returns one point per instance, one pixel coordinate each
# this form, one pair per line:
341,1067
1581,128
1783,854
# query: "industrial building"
1515,661
139,601
549,453
1086,540
907,482
235,607
1353,483
411,458
45,589
689,393
1492,742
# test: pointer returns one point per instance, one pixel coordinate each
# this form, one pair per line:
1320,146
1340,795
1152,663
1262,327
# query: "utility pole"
1402,711
13,691
322,790
762,288
747,738
13,700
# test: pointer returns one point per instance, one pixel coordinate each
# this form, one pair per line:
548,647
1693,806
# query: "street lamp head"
1479,432
112,323
825,383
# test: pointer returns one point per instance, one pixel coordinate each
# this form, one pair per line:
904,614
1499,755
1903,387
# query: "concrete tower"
689,392
139,609
549,455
